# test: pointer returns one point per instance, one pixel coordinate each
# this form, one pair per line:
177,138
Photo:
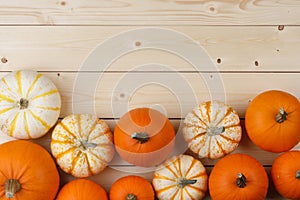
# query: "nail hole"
58,74
280,27
256,63
4,60
212,9
277,50
63,3
249,101
122,95
219,60
138,43
211,76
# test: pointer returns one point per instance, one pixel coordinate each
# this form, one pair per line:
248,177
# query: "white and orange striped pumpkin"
82,145
212,130
179,178
29,104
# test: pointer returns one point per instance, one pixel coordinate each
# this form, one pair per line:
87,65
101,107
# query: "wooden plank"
147,12
113,94
66,48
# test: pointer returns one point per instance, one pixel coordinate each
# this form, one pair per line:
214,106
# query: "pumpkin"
238,176
212,129
29,104
272,121
81,189
144,137
180,177
82,145
27,171
131,188
285,173
5,138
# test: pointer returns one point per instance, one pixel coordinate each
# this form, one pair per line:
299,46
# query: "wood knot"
4,60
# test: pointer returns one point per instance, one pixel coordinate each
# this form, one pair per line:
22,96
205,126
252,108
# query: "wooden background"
254,45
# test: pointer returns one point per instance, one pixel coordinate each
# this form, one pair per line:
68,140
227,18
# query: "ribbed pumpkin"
239,177
27,171
5,138
29,104
212,129
82,189
82,145
131,188
144,137
272,121
179,178
285,174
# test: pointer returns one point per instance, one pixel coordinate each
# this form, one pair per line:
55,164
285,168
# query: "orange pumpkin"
82,189
273,121
131,188
27,171
285,174
144,137
238,176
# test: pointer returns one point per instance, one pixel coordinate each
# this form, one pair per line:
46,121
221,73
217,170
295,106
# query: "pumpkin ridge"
188,193
6,98
59,156
75,159
18,77
175,194
98,157
48,108
193,112
159,191
13,124
5,110
78,119
92,129
200,174
228,112
90,171
171,170
159,176
194,161
228,139
198,135
67,129
195,188
220,147
209,152
26,125
178,168
51,92
40,120
5,83
38,76
207,106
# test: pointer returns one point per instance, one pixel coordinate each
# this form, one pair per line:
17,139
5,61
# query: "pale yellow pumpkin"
29,104
179,178
82,145
212,130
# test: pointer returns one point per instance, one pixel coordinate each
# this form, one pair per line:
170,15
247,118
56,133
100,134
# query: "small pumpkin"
82,145
131,188
27,171
180,177
272,121
238,176
5,138
29,104
285,174
212,129
82,189
144,137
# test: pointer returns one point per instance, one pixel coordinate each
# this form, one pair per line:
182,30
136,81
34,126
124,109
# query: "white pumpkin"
212,130
29,104
82,145
179,178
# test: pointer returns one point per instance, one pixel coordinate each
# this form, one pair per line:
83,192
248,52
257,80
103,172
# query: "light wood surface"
248,46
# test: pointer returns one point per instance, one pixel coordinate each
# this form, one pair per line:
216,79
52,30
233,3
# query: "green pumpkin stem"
12,186
241,180
215,130
23,103
142,137
298,174
182,182
131,197
281,116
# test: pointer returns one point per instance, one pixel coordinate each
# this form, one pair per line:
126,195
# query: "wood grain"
150,12
66,48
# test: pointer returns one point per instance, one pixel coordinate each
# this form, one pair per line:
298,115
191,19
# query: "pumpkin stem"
131,197
182,182
23,103
142,137
215,130
298,174
12,186
281,116
241,180
85,144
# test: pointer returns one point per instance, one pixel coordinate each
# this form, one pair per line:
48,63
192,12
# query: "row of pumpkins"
83,145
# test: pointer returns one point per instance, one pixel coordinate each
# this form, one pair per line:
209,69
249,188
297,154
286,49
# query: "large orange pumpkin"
131,188
285,174
144,137
238,176
273,121
82,189
27,171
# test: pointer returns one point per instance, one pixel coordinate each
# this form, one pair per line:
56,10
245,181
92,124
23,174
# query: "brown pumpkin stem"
298,174
182,182
131,197
12,186
281,116
241,180
215,130
142,137
23,103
